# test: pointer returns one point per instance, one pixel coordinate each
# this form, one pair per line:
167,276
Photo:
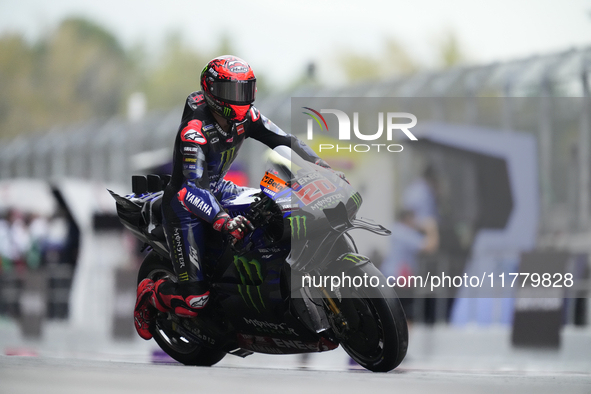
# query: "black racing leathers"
203,154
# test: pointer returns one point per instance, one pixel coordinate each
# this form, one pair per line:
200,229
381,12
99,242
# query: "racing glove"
237,227
324,164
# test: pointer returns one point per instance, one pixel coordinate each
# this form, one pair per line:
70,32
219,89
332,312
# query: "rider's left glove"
324,164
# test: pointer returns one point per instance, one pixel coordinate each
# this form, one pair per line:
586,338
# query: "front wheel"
376,336
174,344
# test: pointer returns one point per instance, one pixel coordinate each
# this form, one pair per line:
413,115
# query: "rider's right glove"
237,227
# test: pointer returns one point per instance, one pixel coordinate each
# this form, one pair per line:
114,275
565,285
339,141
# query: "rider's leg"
185,237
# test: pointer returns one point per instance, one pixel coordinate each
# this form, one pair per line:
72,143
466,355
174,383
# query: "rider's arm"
268,133
195,194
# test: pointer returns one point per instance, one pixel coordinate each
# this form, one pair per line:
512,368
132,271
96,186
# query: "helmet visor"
234,92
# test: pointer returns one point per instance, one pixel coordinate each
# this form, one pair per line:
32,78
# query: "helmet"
229,87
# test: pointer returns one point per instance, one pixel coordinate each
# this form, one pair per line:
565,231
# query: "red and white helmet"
229,87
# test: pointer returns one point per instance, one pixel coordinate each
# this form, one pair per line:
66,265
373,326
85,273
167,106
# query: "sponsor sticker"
273,183
198,203
237,66
220,130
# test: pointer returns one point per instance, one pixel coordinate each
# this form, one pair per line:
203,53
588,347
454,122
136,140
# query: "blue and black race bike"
283,289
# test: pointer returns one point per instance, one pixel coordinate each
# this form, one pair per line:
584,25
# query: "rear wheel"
376,336
174,344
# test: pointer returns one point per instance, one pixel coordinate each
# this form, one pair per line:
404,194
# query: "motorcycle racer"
214,125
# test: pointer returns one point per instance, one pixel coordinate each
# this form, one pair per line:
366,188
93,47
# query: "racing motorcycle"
269,292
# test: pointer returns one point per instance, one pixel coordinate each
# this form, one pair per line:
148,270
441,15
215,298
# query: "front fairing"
307,189
306,217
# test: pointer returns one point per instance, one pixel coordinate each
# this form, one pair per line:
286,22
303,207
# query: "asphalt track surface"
64,376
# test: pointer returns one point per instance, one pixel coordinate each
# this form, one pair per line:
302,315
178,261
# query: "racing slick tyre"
377,333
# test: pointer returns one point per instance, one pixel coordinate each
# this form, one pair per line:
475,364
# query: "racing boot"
167,297
143,314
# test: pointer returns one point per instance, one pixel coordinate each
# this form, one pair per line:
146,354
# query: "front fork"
340,325
344,318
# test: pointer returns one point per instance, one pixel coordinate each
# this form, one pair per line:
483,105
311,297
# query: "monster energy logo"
227,157
298,226
251,276
354,258
183,277
227,111
356,199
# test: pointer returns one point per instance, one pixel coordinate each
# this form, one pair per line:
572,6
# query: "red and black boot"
143,314
167,298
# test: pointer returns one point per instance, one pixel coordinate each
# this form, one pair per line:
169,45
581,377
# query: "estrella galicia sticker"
192,133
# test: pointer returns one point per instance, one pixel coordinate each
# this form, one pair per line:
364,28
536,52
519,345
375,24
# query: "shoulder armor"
192,133
195,99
